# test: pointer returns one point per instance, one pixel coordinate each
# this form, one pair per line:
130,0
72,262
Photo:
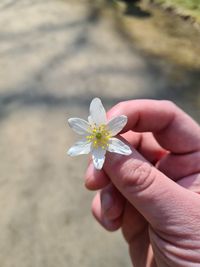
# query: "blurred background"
55,56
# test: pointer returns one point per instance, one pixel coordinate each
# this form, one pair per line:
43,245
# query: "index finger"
172,127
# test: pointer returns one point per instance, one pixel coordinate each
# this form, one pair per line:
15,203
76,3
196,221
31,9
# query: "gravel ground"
55,56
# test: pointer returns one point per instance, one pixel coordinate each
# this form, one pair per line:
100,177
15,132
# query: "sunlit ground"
55,56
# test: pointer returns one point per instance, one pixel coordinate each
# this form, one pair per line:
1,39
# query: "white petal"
116,124
117,146
80,126
97,112
81,147
98,156
90,120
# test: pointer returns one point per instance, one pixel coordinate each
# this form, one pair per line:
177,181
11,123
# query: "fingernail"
106,201
90,173
114,159
108,224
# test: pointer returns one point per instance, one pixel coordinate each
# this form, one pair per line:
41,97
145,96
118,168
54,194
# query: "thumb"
159,199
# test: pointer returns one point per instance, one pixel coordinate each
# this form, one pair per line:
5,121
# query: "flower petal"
97,112
116,124
90,120
79,148
98,156
117,146
80,126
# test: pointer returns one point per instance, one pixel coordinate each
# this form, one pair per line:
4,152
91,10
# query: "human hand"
153,194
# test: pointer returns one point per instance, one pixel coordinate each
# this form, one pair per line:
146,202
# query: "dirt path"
55,56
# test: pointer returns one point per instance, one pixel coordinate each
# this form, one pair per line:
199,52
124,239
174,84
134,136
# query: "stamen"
99,136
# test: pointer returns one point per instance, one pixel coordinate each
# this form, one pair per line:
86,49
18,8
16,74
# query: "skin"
153,194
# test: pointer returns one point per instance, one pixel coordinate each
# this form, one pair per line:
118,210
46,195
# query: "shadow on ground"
55,56
179,84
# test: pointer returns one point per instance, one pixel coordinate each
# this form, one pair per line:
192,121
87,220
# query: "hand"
152,195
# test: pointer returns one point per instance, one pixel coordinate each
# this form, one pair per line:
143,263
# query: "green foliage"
184,7
189,4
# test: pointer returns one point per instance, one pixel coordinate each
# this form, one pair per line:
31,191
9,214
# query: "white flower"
98,134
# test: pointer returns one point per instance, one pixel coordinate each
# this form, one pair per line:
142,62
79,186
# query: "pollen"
99,136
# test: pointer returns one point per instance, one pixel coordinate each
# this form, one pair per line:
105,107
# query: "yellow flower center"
99,136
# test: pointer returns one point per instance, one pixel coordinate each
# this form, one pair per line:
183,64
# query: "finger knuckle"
139,177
